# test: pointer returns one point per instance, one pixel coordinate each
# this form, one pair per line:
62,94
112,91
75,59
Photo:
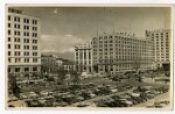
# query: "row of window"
19,33
18,53
116,67
25,40
80,62
25,20
121,41
128,39
26,60
17,26
17,46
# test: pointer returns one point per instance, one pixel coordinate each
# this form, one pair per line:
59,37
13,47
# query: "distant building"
59,61
23,49
161,46
120,52
69,66
48,64
83,58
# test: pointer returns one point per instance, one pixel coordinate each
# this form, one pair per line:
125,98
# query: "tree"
137,63
61,74
95,68
75,78
140,78
13,87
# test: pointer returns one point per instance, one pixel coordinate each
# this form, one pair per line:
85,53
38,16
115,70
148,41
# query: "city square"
58,57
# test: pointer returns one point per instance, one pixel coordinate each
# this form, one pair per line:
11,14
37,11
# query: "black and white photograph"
88,57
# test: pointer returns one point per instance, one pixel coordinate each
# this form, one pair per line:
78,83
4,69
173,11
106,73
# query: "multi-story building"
83,58
23,39
69,66
161,46
120,52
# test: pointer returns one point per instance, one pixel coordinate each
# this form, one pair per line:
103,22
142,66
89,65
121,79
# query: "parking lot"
122,91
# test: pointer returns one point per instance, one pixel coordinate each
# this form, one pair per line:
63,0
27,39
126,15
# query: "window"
9,46
17,39
26,46
26,53
17,69
34,68
26,69
26,40
9,32
9,39
26,33
26,60
35,60
17,46
17,60
34,28
9,53
9,60
34,53
34,47
17,19
34,22
17,53
9,18
26,20
34,34
17,32
9,25
17,26
26,27
35,41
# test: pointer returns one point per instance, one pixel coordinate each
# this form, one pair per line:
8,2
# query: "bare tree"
61,74
136,63
75,78
13,87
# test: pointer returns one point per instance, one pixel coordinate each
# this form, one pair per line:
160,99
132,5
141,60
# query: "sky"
64,27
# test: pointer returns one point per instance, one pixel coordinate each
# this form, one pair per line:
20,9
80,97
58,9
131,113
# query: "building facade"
23,43
69,66
83,58
120,52
161,46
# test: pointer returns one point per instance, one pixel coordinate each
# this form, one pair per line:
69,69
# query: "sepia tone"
102,57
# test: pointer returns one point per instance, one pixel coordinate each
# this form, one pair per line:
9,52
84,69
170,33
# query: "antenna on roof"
113,28
97,30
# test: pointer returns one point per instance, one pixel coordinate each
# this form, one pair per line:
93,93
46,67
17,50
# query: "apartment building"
161,46
120,52
23,43
83,58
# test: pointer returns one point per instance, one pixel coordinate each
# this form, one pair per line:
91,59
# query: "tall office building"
161,46
23,51
83,58
120,52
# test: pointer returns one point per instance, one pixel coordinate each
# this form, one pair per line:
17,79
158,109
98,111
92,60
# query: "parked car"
23,96
82,105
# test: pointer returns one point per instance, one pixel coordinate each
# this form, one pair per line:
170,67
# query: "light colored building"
161,46
83,58
120,52
69,66
23,43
